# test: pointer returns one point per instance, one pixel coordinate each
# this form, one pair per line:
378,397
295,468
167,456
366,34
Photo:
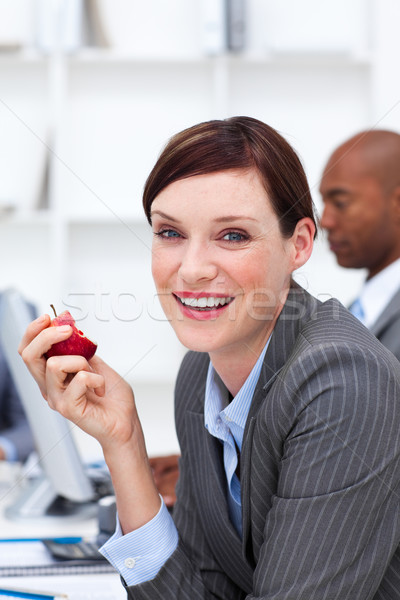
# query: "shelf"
23,57
110,56
309,58
32,217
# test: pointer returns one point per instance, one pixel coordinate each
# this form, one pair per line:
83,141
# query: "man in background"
360,189
16,441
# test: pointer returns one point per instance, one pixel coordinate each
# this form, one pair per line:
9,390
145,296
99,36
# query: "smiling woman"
287,409
216,236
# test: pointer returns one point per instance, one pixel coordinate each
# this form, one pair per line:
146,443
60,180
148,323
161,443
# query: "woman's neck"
234,368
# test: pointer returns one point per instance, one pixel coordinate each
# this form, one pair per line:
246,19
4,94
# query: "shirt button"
129,563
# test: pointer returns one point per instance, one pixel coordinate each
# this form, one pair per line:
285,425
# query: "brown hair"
236,143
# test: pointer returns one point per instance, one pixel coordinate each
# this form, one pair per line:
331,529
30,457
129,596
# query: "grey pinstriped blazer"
387,326
320,472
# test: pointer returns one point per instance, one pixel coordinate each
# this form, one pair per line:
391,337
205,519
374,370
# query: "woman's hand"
90,394
101,403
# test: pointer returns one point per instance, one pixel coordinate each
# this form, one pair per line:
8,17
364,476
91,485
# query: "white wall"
317,70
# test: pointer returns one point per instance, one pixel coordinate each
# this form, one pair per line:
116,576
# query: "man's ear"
303,241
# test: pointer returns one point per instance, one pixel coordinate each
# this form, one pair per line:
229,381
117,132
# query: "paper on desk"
19,554
78,587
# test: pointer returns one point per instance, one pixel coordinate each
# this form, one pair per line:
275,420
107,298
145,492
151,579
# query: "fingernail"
64,328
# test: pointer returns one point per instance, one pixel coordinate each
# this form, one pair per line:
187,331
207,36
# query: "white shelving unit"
100,116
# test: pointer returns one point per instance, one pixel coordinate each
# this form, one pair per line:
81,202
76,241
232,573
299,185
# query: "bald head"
377,153
360,188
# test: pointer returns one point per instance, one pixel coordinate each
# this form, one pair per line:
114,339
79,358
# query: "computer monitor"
64,490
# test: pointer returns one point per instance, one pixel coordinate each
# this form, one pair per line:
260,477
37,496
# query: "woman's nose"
197,265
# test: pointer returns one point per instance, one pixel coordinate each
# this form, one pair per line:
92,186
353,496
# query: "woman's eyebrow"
164,216
222,219
234,218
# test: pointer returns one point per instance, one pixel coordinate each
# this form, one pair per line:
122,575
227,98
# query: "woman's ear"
303,241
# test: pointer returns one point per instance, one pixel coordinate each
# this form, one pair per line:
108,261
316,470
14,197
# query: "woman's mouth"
196,306
205,302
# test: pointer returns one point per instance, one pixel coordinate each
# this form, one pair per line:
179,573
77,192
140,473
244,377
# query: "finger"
33,329
69,378
114,380
85,381
43,341
60,367
36,340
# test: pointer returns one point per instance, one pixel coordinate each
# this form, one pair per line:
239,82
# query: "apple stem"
54,310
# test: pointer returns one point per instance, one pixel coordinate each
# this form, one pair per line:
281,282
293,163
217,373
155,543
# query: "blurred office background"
90,90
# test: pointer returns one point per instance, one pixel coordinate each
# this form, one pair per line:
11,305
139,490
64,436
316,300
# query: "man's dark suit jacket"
13,423
320,472
387,326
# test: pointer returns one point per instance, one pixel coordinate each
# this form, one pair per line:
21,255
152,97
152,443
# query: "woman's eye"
167,233
235,236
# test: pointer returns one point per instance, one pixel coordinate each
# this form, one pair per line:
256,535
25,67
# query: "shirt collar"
233,414
378,291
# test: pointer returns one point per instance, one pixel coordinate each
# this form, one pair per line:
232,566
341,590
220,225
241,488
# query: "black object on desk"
81,550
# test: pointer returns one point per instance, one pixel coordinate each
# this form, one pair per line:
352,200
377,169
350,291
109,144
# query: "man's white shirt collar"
378,291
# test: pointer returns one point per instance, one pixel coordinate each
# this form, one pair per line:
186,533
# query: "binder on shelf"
71,18
95,25
59,25
236,25
214,26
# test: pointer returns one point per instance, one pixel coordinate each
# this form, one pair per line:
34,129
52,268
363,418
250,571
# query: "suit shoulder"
332,335
334,323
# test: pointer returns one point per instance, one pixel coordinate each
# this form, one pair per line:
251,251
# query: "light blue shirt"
226,421
140,554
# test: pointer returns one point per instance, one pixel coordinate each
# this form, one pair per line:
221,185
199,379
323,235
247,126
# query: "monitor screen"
65,488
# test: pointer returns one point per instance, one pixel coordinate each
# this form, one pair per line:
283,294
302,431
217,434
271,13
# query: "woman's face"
220,264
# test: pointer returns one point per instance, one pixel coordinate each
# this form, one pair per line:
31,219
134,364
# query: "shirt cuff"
9,448
140,554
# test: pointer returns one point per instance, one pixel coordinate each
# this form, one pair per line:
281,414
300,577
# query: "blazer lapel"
210,492
298,309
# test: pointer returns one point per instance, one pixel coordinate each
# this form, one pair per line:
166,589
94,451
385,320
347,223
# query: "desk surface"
52,527
104,586
10,488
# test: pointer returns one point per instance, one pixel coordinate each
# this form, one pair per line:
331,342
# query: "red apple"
77,343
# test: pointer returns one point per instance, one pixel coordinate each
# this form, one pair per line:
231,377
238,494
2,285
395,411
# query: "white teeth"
205,302
201,302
